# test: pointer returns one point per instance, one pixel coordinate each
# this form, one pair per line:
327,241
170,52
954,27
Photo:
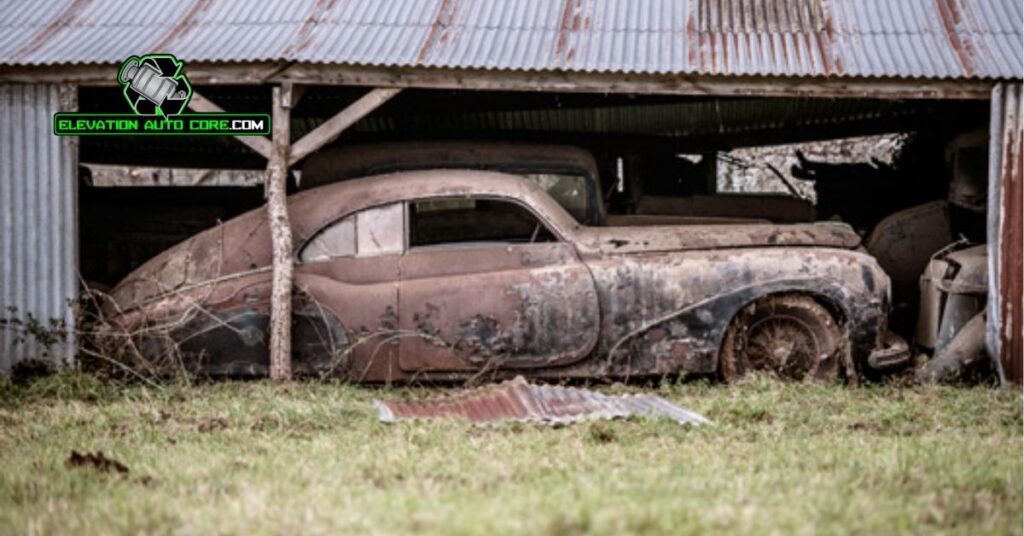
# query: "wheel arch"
824,296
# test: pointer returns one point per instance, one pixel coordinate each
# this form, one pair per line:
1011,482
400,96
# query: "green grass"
239,458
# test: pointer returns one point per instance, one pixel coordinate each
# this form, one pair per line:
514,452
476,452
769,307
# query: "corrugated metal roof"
865,38
518,400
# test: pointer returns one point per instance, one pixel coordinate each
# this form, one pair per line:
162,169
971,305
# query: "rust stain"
750,49
184,26
713,53
950,13
570,23
727,40
64,19
692,39
439,28
823,50
830,34
305,33
1012,259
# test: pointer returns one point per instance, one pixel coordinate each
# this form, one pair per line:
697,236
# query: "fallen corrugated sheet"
857,38
517,400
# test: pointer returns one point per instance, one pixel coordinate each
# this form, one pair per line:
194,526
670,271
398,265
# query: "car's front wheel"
791,336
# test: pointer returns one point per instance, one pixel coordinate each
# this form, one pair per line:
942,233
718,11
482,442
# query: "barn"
635,83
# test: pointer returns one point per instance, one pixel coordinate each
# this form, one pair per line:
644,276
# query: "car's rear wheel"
791,336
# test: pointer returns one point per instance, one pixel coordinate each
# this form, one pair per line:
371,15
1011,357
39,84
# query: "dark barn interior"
637,141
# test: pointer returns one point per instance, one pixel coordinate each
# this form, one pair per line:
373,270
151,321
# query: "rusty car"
455,274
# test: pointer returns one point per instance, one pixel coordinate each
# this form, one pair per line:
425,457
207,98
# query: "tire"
790,336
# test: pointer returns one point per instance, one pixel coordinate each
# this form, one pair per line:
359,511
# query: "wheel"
790,336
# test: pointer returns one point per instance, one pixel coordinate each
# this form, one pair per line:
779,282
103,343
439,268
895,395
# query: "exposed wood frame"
329,130
203,73
261,145
635,83
281,238
207,73
109,175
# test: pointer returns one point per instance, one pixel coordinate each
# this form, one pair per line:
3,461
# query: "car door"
348,277
485,283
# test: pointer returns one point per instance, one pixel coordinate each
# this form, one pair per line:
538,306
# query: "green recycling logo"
158,93
155,84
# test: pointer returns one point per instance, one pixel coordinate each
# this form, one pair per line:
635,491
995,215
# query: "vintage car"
455,274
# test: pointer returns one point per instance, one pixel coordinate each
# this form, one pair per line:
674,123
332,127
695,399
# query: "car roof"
312,209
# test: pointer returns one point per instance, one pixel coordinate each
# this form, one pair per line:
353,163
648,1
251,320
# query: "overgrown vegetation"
237,458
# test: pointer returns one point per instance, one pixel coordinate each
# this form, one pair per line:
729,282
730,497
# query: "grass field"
239,458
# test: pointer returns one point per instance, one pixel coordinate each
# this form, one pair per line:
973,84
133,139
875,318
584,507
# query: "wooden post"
281,236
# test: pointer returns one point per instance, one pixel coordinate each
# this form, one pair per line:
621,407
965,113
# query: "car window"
569,190
371,232
466,221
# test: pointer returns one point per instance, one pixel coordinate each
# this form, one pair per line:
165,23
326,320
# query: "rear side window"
568,189
435,222
367,233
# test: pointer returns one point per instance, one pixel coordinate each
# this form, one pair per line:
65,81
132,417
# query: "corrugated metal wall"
1006,233
38,218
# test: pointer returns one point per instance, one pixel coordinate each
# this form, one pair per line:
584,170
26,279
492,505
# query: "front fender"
669,313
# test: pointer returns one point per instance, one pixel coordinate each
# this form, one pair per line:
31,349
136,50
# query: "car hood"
620,240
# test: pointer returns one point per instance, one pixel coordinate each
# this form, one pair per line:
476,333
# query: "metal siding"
862,38
38,221
1006,233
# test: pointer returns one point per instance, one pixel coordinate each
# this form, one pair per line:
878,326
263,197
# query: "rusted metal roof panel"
518,400
1005,324
856,38
38,223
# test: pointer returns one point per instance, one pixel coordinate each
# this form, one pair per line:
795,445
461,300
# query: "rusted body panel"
623,301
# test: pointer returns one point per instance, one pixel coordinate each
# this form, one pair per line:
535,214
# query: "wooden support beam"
217,73
634,83
261,145
106,175
281,238
333,127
